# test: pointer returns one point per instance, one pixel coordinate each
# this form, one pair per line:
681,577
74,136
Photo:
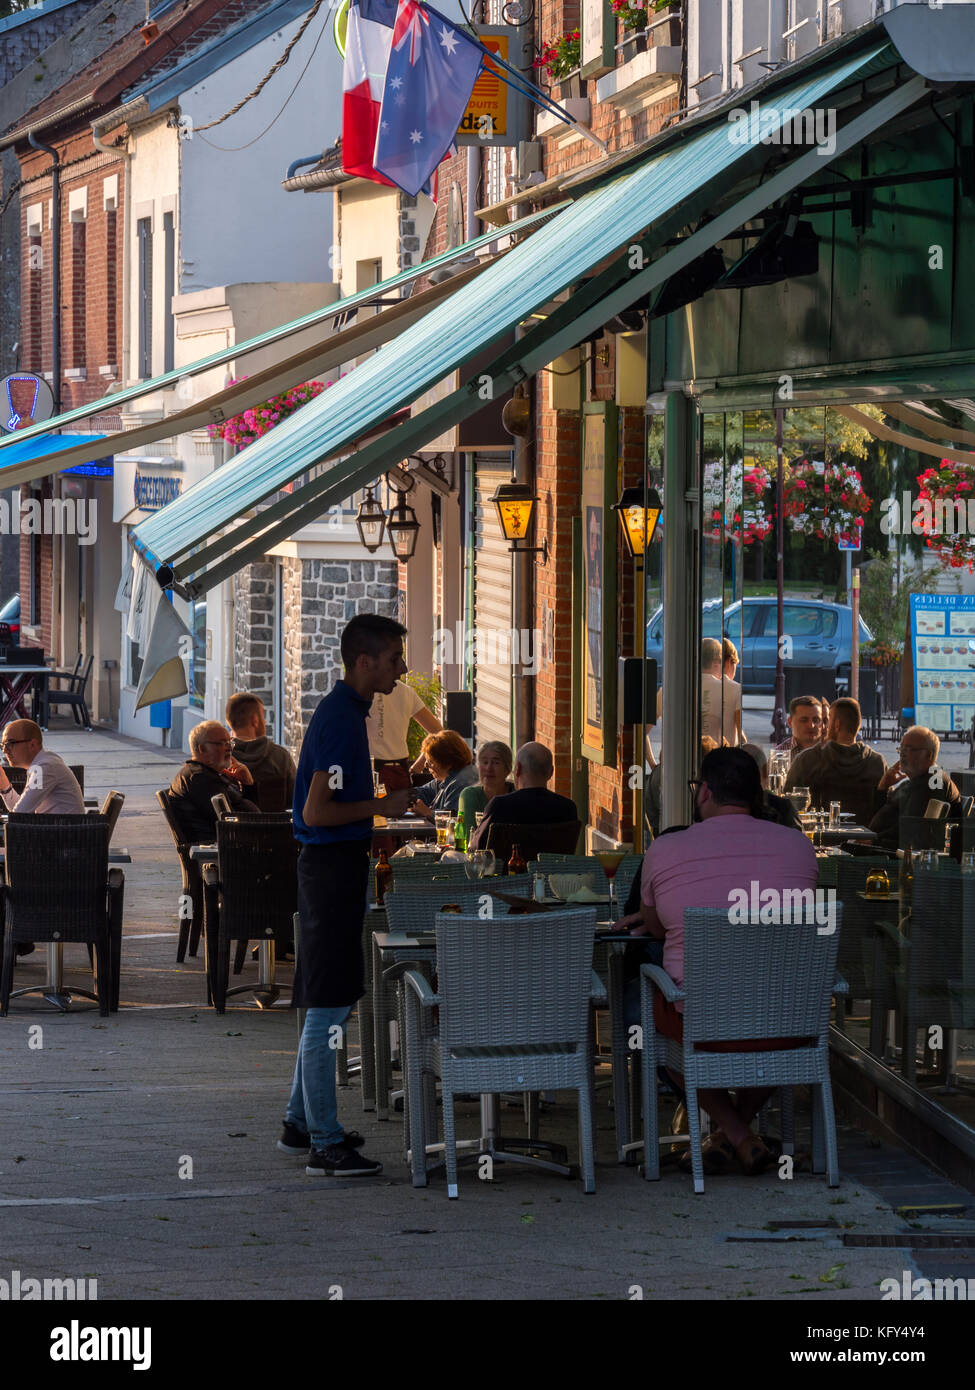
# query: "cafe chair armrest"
211,876
421,988
892,934
658,975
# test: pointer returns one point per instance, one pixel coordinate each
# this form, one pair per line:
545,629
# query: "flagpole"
523,84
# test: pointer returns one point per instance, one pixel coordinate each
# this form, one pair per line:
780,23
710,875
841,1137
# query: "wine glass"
474,864
609,862
804,797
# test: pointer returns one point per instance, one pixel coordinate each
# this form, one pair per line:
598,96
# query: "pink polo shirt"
702,865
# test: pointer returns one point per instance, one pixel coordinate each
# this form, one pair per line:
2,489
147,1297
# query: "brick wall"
91,279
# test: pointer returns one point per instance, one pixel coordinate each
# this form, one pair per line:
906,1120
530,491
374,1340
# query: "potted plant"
634,17
825,500
948,495
241,430
560,59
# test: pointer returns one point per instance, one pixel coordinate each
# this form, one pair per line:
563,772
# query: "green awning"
332,350
205,535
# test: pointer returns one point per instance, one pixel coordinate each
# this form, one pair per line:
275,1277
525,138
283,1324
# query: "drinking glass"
609,862
834,815
474,864
803,797
378,786
442,821
489,863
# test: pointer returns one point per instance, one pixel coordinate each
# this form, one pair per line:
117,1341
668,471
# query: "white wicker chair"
746,981
514,998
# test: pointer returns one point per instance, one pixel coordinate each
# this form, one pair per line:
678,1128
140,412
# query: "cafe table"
16,683
53,988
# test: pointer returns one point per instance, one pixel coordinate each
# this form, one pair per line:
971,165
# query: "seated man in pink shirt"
728,848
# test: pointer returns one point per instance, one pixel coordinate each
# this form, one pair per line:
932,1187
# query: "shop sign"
153,492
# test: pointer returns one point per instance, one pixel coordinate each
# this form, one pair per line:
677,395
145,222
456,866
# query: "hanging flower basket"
824,500
241,430
751,520
946,528
560,57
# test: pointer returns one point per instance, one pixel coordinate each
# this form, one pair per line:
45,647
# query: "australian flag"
429,78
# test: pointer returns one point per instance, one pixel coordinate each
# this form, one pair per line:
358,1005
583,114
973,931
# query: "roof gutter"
25,132
317,179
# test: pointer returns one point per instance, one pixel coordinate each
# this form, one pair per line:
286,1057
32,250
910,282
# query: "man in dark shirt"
210,771
907,787
271,766
333,810
531,803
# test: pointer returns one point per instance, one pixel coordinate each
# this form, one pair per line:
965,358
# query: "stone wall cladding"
254,632
318,598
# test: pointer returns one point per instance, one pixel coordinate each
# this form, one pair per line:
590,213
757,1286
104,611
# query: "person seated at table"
729,847
906,788
840,769
531,803
209,771
806,722
451,763
494,763
776,807
251,747
52,788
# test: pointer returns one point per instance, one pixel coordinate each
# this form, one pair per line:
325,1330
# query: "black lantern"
515,503
370,520
639,514
403,529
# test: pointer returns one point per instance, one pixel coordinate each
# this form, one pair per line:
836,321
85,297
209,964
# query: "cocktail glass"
609,862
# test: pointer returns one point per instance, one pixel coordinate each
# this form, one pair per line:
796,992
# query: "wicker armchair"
191,897
514,1016
81,901
744,982
936,980
859,961
252,892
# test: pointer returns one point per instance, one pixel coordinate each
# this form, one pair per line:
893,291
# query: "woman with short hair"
451,762
494,763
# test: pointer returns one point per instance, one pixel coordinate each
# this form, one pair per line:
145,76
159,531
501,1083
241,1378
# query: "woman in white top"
731,720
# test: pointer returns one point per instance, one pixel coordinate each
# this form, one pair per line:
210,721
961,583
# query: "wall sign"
943,647
598,635
496,114
153,492
25,399
597,38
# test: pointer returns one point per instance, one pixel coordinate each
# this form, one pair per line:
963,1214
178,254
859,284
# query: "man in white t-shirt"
388,722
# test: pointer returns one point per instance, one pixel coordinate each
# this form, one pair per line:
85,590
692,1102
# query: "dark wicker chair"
533,840
81,902
76,694
111,809
190,923
270,795
251,893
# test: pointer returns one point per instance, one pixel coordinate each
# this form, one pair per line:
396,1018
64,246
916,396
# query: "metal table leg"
53,989
380,1028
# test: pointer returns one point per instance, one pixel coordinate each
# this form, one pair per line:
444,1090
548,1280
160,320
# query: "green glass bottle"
460,835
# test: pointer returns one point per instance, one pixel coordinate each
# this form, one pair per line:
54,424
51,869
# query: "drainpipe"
55,266
126,196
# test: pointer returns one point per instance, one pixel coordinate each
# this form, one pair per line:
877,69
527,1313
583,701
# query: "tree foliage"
885,604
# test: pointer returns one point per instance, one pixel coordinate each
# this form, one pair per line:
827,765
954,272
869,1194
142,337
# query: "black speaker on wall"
634,707
458,713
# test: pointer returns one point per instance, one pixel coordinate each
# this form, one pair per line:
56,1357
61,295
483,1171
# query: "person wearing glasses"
52,788
209,771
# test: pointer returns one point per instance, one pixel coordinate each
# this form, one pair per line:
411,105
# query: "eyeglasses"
9,743
695,783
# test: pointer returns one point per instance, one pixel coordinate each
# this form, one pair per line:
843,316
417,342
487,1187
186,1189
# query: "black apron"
332,883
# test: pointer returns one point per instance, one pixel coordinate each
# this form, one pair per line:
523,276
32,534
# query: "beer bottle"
460,834
516,864
384,876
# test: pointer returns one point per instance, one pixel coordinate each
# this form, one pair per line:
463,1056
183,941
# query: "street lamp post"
779,728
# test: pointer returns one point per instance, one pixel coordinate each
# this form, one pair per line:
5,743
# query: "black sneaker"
297,1141
341,1161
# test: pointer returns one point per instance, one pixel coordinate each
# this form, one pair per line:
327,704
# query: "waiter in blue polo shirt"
333,810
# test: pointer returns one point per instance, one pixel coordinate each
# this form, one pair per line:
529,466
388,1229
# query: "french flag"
367,42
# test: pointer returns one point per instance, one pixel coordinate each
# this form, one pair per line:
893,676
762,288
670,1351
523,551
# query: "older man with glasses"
209,771
52,788
906,788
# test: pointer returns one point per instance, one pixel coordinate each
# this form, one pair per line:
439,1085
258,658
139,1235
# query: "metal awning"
332,350
214,528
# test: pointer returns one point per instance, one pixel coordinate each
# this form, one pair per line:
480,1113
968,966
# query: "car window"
802,620
11,609
865,634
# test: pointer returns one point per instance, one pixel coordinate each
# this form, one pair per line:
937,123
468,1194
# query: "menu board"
943,646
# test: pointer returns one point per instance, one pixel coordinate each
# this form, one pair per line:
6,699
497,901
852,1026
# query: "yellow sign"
487,110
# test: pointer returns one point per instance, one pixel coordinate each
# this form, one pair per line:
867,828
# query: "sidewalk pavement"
139,1150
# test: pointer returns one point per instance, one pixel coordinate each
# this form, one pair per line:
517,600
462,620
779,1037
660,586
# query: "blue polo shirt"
336,739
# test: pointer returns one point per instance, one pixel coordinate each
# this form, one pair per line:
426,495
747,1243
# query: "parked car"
10,614
821,636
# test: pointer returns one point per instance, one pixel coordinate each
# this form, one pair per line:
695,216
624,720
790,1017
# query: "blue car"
820,633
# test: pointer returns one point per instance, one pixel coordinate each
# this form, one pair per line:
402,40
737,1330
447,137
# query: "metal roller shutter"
492,603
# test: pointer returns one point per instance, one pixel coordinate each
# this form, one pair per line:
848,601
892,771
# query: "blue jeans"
313,1105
